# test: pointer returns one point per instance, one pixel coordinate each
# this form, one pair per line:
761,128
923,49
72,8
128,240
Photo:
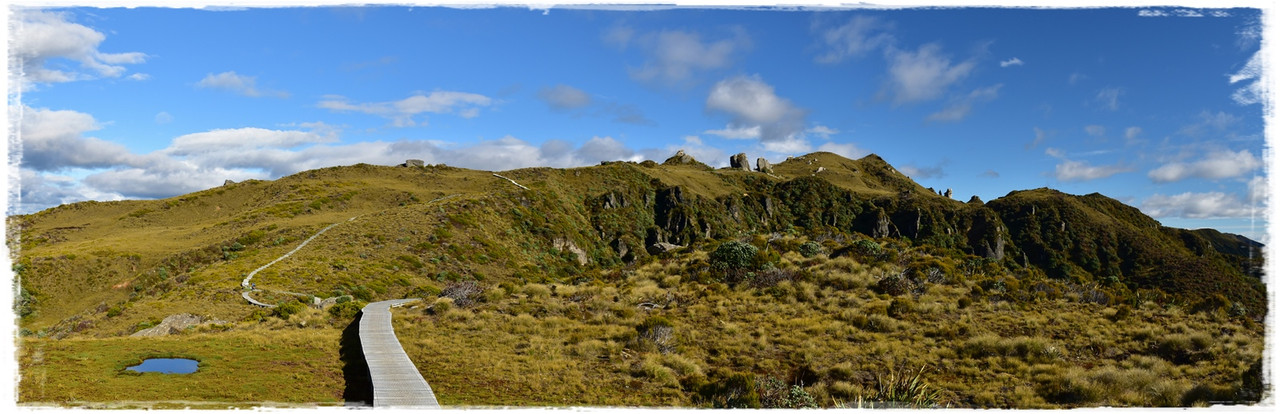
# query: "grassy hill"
855,267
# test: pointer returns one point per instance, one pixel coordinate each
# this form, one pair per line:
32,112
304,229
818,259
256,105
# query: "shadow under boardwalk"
359,387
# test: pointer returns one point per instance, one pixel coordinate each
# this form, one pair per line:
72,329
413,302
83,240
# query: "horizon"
981,101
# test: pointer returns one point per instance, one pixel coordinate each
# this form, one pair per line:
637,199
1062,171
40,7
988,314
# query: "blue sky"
1160,108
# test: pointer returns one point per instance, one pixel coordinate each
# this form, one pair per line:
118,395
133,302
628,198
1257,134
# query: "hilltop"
101,270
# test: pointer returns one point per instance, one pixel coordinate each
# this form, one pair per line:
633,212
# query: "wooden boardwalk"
396,381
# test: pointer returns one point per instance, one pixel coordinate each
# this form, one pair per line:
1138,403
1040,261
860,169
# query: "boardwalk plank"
396,381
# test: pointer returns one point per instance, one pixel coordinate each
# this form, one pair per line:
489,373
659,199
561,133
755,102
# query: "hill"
529,241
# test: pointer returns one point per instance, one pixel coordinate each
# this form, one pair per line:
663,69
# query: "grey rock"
739,162
563,244
762,165
228,182
175,324
662,247
412,163
947,194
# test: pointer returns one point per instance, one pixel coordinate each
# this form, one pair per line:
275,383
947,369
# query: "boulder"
739,162
762,165
412,163
228,182
662,247
679,158
947,194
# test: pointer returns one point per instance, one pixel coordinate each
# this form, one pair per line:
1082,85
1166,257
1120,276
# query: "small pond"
167,366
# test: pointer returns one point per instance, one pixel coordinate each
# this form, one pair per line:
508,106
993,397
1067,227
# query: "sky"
1160,108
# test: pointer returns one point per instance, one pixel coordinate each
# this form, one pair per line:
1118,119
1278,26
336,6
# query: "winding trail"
396,381
291,252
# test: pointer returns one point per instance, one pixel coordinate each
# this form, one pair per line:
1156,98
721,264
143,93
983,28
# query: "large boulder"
762,165
739,162
412,163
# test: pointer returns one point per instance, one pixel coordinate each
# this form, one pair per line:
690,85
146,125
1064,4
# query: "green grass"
237,369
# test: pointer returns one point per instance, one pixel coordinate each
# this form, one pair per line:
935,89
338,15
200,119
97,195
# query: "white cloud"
139,77
564,97
860,35
1071,170
241,139
244,85
848,150
163,118
1095,130
54,140
923,75
674,56
960,107
1011,62
730,132
1199,206
1041,135
751,103
822,131
1075,170
1215,165
619,36
1132,133
402,112
1109,98
1210,121
41,37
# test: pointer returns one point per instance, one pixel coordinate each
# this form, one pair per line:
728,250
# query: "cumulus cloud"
1076,170
1011,62
244,85
960,107
241,139
1095,130
673,56
752,103
1214,166
54,140
1109,98
1199,206
402,112
1209,122
923,75
43,38
860,35
751,132
163,118
564,97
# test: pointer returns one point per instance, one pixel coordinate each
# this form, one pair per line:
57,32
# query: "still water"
167,366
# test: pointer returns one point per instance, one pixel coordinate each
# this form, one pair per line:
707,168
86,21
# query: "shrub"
464,294
904,388
810,249
896,284
733,258
657,332
776,394
730,390
900,307
287,308
346,310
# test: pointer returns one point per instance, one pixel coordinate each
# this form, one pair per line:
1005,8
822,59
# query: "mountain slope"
416,228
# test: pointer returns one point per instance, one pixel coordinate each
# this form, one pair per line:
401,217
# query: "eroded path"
396,381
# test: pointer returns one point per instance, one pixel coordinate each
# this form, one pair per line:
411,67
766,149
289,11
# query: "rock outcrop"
739,162
947,194
176,324
412,163
564,244
679,158
762,165
228,182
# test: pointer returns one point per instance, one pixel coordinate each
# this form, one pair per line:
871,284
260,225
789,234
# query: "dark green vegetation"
832,282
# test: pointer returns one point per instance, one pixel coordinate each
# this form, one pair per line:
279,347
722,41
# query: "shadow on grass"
359,387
